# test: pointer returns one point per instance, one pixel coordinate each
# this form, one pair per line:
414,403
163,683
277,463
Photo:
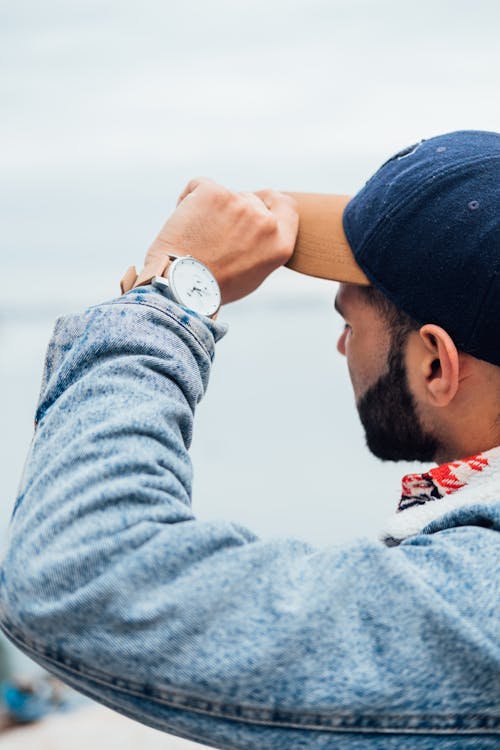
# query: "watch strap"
131,279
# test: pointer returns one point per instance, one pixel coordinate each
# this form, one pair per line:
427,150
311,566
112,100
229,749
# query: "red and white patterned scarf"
425,497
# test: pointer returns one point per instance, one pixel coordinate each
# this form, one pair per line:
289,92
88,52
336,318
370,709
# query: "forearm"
108,472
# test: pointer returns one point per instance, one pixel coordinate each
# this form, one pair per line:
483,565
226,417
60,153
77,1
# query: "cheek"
365,363
358,380
354,365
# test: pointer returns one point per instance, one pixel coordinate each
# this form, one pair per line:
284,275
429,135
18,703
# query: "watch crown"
160,282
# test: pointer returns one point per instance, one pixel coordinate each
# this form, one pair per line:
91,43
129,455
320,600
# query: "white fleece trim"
483,488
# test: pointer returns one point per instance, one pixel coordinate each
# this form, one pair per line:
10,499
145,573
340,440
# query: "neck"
471,423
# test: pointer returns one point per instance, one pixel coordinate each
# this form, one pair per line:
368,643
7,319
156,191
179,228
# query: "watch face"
194,286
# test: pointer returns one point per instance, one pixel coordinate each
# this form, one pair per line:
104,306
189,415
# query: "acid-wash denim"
200,628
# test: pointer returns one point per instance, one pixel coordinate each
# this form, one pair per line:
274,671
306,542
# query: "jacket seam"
489,725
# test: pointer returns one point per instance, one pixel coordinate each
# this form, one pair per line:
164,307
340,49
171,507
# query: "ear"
440,365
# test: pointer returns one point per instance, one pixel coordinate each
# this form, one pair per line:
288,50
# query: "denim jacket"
201,629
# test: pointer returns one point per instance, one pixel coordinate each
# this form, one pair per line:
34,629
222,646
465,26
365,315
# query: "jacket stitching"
465,724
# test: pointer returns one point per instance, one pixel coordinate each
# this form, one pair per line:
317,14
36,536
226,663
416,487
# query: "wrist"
181,278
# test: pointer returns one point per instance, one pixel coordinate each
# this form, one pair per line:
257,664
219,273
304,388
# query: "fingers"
273,200
242,237
278,206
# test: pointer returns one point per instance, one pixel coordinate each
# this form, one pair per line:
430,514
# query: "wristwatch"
188,282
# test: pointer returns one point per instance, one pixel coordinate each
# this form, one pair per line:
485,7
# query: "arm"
196,628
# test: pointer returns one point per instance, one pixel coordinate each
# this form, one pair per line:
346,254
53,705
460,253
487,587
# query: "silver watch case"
190,283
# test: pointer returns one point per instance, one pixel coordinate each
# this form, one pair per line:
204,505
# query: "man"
200,628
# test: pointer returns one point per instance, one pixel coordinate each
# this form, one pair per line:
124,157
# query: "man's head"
417,396
418,252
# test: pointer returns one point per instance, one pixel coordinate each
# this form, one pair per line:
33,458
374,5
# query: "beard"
389,416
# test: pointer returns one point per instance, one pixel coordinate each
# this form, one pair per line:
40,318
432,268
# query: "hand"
241,237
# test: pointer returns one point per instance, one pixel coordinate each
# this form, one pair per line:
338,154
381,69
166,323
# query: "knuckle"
240,206
219,195
268,222
266,193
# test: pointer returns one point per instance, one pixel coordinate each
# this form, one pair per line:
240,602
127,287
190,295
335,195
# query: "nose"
341,342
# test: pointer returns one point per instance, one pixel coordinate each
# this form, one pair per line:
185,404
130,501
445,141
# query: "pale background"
108,108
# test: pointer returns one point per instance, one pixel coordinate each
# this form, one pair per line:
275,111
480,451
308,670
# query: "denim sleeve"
200,628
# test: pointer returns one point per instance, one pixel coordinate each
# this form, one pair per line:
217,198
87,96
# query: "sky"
109,108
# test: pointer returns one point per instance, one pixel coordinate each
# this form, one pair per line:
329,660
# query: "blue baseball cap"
425,230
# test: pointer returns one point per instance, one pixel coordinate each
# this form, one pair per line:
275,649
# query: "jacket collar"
425,497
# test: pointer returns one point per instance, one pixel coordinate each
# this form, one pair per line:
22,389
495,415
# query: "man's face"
376,363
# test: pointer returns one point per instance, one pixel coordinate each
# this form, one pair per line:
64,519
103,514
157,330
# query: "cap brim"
322,248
